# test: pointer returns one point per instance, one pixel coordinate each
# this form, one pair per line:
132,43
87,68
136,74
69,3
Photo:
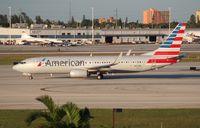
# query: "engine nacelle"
78,73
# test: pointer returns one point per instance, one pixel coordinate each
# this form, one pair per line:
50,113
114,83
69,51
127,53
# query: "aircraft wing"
106,66
180,56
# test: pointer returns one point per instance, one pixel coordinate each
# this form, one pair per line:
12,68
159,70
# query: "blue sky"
133,9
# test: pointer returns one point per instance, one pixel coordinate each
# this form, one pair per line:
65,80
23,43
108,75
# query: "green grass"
15,119
192,57
141,118
8,59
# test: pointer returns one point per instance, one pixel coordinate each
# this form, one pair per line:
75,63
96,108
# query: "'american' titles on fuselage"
69,62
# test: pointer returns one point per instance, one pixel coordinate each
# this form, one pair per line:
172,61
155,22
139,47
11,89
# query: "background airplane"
25,38
83,66
192,36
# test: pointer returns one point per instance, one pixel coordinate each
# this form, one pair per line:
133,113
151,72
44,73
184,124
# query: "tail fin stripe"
167,53
178,39
174,32
175,46
175,39
184,24
180,24
173,35
181,32
170,39
178,28
168,42
171,46
165,46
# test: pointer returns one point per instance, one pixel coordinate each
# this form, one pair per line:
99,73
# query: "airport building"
153,16
101,36
115,36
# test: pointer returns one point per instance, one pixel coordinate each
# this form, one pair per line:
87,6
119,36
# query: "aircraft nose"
15,67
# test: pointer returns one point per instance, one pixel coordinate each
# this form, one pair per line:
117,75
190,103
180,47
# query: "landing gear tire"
99,76
30,77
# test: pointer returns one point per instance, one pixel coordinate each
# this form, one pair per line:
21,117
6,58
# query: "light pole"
20,19
10,21
92,25
152,19
116,18
169,19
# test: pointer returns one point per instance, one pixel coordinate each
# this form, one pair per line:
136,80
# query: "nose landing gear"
29,75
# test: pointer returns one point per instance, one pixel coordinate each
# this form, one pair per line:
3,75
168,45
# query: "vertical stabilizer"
170,49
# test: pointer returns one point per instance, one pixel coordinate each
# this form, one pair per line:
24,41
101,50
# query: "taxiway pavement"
171,87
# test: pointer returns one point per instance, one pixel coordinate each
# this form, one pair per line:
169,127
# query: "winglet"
118,58
129,53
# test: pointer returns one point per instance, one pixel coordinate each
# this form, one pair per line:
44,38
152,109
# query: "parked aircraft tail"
25,35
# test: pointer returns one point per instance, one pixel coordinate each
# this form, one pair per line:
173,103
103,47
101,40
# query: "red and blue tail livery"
170,49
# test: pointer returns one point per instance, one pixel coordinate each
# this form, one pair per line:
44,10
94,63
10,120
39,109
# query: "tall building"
156,17
197,16
104,20
111,20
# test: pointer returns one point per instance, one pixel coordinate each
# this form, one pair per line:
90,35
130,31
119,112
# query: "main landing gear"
99,76
30,77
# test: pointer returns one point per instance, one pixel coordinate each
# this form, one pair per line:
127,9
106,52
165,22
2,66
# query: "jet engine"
79,73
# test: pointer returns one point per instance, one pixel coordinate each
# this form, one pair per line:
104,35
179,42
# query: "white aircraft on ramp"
42,41
83,66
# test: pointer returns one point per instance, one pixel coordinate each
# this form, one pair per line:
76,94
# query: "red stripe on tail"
178,39
181,31
175,46
184,24
167,53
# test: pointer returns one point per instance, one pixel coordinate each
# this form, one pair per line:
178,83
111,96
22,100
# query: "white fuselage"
28,38
65,64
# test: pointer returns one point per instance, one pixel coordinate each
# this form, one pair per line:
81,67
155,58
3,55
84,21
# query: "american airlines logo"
69,62
41,64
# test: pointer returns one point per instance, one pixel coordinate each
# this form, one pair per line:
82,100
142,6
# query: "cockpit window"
15,63
22,62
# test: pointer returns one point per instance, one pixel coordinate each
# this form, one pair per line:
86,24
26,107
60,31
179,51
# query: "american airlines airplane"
27,38
83,66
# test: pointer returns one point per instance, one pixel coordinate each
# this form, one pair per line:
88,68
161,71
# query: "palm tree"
53,115
72,116
65,116
85,117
